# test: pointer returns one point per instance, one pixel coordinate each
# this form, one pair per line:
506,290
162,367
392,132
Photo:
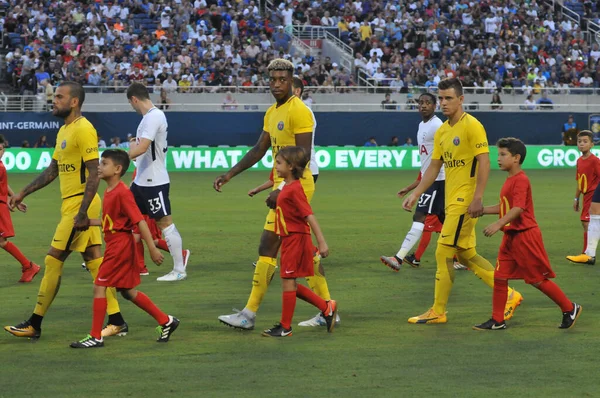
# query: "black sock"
36,321
116,319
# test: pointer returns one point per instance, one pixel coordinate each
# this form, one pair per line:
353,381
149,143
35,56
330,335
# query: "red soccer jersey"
292,210
588,174
120,212
516,192
3,184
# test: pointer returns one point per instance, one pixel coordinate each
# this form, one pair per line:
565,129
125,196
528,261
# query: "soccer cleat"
514,300
319,320
458,266
392,262
186,257
165,331
144,271
582,259
115,330
28,273
88,342
429,317
570,317
277,331
330,315
24,329
239,320
412,261
173,276
490,325
84,267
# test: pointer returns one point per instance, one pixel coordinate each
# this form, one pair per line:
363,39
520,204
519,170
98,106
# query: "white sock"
175,244
412,237
248,313
593,235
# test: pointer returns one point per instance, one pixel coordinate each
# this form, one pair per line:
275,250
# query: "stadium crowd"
207,44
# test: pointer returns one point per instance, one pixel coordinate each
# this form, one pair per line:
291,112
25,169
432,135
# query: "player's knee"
419,217
595,208
269,244
126,294
3,242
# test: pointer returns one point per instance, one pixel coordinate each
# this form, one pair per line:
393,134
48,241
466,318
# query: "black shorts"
596,197
152,201
433,200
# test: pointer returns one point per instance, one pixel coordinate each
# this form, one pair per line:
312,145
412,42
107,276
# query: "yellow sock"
444,277
112,305
479,265
49,286
318,283
263,273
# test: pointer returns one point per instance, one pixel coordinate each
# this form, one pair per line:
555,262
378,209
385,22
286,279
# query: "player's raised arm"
45,178
250,159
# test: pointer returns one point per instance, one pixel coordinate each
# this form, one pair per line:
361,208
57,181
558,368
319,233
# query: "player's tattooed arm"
250,159
81,220
45,178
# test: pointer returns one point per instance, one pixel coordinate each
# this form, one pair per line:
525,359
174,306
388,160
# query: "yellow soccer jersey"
76,143
457,146
283,123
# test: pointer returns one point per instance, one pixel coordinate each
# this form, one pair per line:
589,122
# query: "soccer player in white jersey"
430,202
150,187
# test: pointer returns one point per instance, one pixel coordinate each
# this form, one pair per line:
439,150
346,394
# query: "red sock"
16,253
552,290
584,241
287,309
162,245
309,296
140,254
499,298
423,243
144,302
99,312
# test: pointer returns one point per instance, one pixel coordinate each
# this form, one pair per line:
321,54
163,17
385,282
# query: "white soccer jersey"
425,141
151,165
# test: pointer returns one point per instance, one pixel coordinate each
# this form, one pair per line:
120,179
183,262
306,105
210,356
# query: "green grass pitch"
374,352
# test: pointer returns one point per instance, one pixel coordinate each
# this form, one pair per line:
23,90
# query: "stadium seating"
403,44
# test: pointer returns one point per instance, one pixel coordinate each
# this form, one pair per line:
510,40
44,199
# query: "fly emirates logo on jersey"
450,162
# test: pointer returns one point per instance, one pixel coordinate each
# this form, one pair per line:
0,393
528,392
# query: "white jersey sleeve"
425,141
151,165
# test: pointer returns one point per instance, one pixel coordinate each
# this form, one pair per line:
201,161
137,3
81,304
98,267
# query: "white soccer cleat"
239,320
459,267
186,257
319,320
173,276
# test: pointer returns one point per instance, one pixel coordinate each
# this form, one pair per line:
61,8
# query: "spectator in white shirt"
490,85
586,80
359,61
549,23
376,50
287,14
327,20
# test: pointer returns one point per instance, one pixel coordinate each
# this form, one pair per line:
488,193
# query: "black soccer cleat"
412,261
490,325
88,342
277,331
165,331
570,317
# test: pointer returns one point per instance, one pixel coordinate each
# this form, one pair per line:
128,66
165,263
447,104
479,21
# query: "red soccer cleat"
29,272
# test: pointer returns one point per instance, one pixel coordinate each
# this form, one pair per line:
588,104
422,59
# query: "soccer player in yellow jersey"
75,163
460,144
288,122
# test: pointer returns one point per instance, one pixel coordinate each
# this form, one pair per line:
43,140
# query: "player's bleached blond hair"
281,64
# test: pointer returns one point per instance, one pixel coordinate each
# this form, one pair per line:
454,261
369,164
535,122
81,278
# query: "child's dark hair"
586,133
513,145
119,157
2,140
296,157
